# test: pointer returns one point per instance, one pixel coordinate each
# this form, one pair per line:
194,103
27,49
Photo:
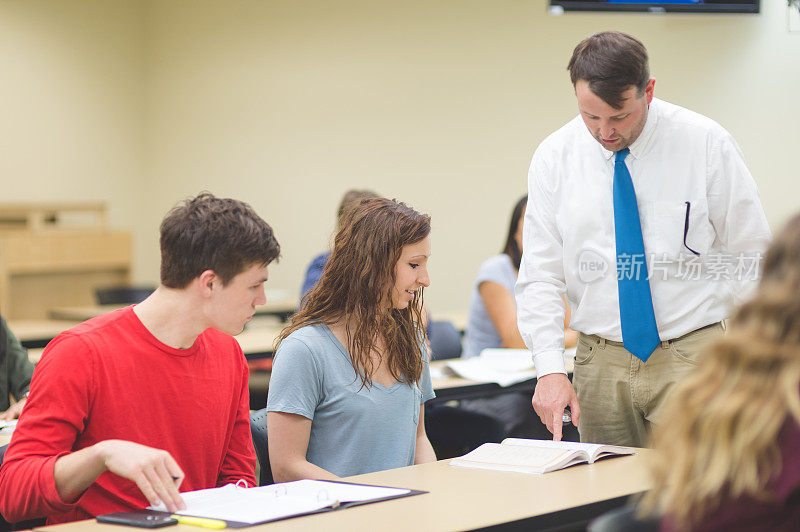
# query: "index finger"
177,475
169,491
558,420
174,469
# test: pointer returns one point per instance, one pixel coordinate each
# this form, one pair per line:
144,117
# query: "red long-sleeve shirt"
109,378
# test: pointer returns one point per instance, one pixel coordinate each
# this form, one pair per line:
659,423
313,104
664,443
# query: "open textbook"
536,456
248,506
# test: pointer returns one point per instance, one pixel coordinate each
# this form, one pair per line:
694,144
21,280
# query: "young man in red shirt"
128,407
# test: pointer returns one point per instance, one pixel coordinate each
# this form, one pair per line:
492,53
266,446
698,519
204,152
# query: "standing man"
645,214
128,407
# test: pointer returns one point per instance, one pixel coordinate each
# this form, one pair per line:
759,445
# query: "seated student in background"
729,443
127,407
351,375
314,270
492,318
492,323
16,371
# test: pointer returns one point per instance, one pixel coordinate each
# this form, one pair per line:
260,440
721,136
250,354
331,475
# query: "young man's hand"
14,410
154,471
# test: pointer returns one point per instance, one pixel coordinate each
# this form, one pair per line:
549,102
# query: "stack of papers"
7,427
502,366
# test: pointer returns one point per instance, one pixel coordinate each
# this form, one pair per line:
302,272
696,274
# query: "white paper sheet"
502,366
254,505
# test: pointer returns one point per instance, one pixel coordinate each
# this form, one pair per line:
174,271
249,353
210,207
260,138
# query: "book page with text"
592,450
518,458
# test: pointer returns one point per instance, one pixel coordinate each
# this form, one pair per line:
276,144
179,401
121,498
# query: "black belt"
600,339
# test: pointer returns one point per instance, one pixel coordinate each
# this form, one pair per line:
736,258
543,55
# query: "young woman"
492,318
729,443
351,376
492,322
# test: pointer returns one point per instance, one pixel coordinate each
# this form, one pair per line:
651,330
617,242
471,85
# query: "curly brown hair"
358,281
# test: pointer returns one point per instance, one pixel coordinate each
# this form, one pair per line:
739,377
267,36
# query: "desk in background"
467,499
34,335
37,333
283,308
257,338
57,254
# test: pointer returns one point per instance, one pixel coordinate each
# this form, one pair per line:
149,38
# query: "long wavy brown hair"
356,288
719,439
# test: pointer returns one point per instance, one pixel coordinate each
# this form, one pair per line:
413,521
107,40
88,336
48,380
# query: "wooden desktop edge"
281,307
462,498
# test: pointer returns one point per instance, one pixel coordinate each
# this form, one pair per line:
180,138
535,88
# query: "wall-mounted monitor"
660,6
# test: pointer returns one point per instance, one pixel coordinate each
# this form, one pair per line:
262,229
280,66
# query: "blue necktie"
638,320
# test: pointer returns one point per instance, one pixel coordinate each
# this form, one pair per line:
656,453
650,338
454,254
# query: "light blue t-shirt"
481,332
354,430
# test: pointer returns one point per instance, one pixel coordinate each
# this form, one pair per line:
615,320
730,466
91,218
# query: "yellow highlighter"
200,521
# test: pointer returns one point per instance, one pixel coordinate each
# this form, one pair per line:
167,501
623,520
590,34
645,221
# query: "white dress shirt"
568,235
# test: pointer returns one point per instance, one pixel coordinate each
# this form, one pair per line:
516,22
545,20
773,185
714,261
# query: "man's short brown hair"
210,233
610,62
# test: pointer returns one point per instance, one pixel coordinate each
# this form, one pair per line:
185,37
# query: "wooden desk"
466,499
256,340
278,307
35,354
37,333
5,438
54,254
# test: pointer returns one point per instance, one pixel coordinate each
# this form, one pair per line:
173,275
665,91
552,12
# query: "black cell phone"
140,518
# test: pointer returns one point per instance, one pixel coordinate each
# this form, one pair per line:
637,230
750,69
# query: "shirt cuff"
548,362
48,486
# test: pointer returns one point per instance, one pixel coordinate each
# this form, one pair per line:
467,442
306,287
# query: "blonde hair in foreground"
719,439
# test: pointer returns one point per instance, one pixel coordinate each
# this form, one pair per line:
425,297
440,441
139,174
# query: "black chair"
455,431
445,340
5,526
258,428
624,520
122,295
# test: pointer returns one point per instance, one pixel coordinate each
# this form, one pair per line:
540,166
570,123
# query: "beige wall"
286,104
71,105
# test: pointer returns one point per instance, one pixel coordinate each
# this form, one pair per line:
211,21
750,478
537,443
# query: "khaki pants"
620,396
